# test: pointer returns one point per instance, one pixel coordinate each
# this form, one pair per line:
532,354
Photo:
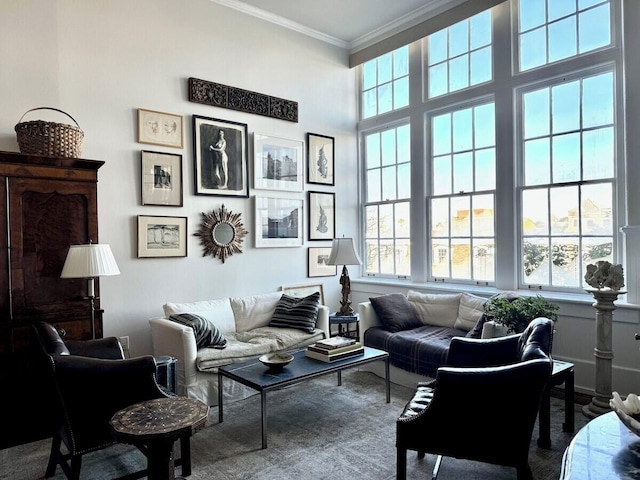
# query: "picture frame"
160,128
220,153
301,291
277,163
320,159
278,222
322,217
162,236
161,176
317,263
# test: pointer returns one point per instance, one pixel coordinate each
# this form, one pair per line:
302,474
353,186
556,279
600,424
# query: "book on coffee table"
333,357
335,342
320,349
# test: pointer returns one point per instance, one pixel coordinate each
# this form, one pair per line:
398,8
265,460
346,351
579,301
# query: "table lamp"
343,252
90,261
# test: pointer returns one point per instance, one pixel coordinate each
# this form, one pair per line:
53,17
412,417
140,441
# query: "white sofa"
244,323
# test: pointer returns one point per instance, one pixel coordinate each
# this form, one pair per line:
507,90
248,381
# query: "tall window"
517,180
462,205
387,208
567,197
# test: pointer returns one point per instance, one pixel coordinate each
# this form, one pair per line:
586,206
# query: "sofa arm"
178,341
368,318
323,320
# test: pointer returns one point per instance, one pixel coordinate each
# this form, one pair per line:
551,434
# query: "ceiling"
346,23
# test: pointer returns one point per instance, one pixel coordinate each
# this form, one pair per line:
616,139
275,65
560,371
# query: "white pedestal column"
603,352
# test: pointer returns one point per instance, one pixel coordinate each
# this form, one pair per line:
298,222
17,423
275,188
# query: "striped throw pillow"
206,333
300,313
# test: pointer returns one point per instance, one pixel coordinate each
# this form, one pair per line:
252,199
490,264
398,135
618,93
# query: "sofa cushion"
206,333
440,309
469,312
218,312
395,312
294,312
254,311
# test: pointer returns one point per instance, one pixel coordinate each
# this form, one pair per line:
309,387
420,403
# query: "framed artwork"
317,261
301,291
320,159
322,216
278,222
160,128
161,178
160,236
221,157
277,163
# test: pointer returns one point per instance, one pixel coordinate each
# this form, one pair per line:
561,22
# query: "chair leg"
436,467
401,464
185,456
421,454
56,442
76,463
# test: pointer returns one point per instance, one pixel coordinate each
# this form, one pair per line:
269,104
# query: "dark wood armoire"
46,205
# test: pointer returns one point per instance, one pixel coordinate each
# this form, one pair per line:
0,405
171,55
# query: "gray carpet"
317,430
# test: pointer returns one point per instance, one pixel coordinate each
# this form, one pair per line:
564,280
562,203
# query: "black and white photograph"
161,178
221,157
322,218
318,263
279,222
278,163
320,159
162,236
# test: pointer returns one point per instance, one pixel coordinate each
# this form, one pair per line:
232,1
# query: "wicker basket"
49,138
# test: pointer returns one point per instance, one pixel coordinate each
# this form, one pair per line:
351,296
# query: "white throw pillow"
440,309
470,310
218,312
254,311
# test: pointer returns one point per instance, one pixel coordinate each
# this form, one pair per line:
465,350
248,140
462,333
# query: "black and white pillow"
300,313
206,333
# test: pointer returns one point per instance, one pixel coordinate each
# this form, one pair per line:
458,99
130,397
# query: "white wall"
100,61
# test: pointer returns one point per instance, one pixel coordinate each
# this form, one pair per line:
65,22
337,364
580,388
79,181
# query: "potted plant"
515,313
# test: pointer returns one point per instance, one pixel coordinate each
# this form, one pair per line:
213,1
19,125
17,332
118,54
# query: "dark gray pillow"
476,332
294,312
206,333
395,312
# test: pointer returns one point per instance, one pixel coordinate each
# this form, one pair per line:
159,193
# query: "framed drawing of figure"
320,159
322,217
221,157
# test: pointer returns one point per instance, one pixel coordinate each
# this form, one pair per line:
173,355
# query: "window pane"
440,217
481,66
438,80
371,220
535,260
463,172
404,143
462,130
389,183
485,169
483,219
403,257
597,100
565,107
373,185
401,93
536,113
560,8
460,216
562,39
461,258
533,49
597,154
373,150
566,158
565,262
596,249
597,205
458,38
441,135
369,103
533,13
564,210
372,256
387,265
386,221
484,126
389,147
480,29
401,62
537,162
385,98
594,30
442,175
459,73
535,205
438,47
440,258
384,68
484,260
403,220
369,75
404,180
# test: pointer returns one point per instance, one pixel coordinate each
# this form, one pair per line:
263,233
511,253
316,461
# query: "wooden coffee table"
255,375
154,425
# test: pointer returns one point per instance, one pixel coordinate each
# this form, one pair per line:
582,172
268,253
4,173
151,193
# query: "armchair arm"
107,348
476,352
368,318
322,321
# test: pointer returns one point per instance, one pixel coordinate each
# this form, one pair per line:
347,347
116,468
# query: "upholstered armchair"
483,405
89,382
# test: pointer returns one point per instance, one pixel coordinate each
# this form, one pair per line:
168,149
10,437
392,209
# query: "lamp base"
345,310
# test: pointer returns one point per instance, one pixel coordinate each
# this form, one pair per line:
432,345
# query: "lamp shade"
343,252
89,261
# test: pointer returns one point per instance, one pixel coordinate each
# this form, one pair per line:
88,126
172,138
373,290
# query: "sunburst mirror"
221,233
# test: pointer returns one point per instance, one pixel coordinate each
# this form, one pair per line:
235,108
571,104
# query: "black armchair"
91,380
483,405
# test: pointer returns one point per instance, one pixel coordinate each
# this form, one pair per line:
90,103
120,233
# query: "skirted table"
154,425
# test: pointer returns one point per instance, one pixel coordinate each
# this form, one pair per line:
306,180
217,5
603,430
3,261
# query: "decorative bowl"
277,360
628,410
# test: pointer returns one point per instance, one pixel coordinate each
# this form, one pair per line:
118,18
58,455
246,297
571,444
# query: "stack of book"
334,348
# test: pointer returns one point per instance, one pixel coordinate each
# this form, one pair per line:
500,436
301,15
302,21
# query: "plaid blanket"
419,350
